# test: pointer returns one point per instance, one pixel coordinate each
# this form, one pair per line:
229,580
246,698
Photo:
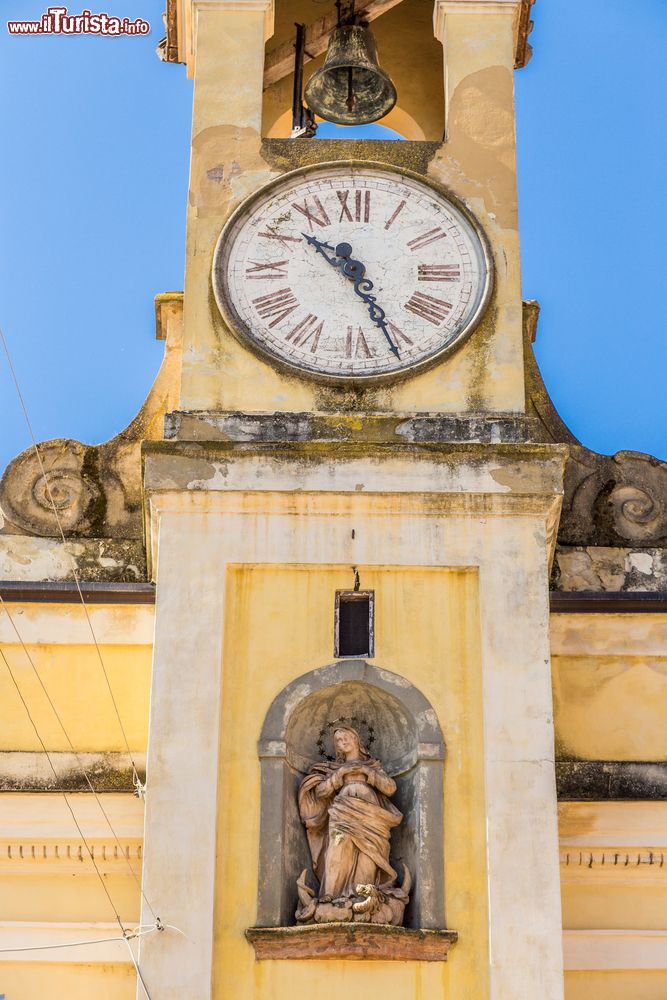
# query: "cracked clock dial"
427,273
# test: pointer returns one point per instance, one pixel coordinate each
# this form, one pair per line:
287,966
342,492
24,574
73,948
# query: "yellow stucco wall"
610,686
49,891
65,981
75,682
642,985
608,674
427,628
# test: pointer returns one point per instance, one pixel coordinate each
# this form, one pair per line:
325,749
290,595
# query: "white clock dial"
351,272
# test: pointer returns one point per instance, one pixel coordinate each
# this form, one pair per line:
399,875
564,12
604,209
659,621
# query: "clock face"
351,273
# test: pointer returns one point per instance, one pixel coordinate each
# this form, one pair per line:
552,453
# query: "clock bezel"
242,331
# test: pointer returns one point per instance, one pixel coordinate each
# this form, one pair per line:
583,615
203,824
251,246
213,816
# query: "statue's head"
348,745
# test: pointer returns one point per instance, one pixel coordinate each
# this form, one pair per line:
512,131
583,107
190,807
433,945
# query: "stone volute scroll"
351,853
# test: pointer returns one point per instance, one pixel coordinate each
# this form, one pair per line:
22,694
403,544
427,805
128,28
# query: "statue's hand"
337,780
359,771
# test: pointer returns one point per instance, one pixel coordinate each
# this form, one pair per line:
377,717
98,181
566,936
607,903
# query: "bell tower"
350,528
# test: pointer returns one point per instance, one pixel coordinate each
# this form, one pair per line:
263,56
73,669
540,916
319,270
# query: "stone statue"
346,809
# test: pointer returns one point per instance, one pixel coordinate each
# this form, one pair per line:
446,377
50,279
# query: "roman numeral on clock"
429,308
424,239
276,306
392,218
360,198
356,347
321,219
303,331
284,240
399,336
438,272
269,269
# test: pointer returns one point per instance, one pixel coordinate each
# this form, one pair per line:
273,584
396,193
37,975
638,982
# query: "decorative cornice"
621,858
189,31
519,9
266,7
44,592
562,602
611,780
400,428
620,865
26,771
524,25
613,843
38,835
612,603
524,51
40,856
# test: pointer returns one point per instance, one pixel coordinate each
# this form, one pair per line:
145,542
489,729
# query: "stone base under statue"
384,905
351,941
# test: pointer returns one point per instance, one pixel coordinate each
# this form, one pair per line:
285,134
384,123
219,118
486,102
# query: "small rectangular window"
354,623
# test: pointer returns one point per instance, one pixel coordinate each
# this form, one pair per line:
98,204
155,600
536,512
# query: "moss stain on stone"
96,511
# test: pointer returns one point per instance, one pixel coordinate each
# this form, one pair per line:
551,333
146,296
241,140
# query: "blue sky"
93,183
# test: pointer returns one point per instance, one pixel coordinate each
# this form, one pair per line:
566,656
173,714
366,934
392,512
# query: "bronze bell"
350,88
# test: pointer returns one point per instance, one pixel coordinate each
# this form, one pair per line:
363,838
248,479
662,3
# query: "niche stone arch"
408,740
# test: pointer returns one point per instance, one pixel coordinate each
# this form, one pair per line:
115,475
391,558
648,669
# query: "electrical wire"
66,800
75,575
124,932
136,780
71,746
129,936
137,783
137,969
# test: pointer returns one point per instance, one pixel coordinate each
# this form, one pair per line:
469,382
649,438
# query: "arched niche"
408,740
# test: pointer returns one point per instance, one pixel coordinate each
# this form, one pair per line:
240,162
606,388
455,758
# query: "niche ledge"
354,941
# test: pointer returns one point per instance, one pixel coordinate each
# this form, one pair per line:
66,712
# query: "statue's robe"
348,830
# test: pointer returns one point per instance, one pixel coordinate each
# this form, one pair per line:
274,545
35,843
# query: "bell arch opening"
408,53
402,730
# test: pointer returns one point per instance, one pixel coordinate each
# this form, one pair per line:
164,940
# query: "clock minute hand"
354,271
321,249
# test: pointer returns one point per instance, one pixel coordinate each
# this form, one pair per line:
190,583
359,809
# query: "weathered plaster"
70,624
25,771
605,568
92,559
337,942
342,427
304,513
600,780
610,685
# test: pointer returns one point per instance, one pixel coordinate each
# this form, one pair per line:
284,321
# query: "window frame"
343,596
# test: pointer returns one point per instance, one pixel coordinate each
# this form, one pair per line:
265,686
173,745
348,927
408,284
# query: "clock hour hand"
354,271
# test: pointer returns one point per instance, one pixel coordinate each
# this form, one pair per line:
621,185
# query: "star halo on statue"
325,738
